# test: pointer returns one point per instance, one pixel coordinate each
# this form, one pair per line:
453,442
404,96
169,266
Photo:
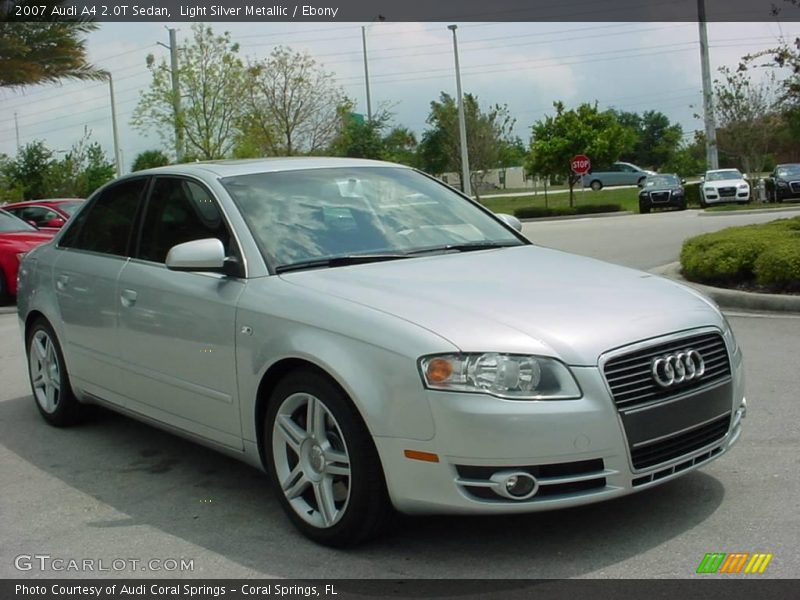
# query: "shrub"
767,255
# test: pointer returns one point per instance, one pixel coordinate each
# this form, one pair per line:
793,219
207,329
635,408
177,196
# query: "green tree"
689,159
30,170
656,138
291,105
10,191
582,130
149,159
400,146
43,51
487,133
82,170
746,114
359,137
210,76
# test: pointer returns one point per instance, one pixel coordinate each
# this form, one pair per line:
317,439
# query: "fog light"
515,485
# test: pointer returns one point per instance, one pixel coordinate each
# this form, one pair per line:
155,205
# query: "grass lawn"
628,198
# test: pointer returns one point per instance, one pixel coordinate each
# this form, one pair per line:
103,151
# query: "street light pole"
462,123
712,155
117,158
366,70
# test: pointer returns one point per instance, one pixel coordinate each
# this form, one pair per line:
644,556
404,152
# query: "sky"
629,66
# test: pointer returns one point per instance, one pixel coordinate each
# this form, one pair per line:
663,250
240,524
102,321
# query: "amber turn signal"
419,455
439,370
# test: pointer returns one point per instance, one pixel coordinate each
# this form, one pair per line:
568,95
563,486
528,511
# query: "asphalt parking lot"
117,489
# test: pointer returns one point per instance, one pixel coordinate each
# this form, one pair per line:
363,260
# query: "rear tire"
49,379
323,462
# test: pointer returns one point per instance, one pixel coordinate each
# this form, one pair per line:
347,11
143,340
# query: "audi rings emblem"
681,367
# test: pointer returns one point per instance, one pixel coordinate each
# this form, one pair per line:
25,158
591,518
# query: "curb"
8,310
617,213
752,211
734,298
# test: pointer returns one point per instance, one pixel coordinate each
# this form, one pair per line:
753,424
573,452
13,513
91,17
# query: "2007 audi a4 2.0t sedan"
374,340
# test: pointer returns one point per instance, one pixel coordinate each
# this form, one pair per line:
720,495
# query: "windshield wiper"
338,261
466,247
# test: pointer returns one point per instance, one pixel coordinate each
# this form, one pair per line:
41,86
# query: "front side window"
303,215
179,210
106,225
39,215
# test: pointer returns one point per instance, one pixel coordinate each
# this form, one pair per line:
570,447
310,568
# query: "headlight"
781,184
744,186
710,189
677,192
513,376
727,333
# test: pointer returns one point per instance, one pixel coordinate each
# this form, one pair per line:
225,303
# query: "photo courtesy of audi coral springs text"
374,340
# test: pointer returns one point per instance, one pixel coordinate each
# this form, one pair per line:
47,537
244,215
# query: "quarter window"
179,211
107,224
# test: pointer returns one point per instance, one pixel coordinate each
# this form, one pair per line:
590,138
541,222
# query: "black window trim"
145,205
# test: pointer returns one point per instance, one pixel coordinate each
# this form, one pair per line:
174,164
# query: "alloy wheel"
45,372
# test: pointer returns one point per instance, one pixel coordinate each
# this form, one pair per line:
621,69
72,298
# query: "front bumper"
576,450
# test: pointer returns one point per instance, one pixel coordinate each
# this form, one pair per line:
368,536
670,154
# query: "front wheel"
49,380
323,462
597,185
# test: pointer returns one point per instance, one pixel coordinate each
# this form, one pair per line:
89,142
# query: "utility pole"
16,128
712,156
176,92
462,123
366,71
117,156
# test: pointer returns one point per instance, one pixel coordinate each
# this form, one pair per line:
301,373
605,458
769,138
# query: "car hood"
524,299
24,240
724,183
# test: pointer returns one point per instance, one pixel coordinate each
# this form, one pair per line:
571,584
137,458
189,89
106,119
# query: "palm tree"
43,51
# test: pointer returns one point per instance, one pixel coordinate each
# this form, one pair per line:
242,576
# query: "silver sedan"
374,340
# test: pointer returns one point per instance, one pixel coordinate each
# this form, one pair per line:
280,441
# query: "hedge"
765,255
532,212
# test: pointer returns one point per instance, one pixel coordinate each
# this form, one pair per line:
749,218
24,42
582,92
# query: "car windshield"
662,181
722,175
9,223
316,215
788,171
70,207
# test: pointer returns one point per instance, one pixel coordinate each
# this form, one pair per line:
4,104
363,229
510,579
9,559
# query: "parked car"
785,180
619,173
45,214
662,191
373,339
16,238
724,185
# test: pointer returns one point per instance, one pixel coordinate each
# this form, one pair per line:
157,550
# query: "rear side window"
179,210
106,225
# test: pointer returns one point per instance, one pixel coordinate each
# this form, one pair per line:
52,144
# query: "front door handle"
128,298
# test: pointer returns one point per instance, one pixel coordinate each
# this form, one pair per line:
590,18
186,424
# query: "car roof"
55,201
248,166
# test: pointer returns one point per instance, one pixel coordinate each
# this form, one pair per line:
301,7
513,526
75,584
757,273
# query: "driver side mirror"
198,255
683,182
55,223
511,221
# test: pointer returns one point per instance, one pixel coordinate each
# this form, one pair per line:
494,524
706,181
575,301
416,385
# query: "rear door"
91,255
177,329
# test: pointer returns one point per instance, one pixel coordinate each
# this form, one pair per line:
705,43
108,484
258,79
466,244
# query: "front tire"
596,185
49,379
323,462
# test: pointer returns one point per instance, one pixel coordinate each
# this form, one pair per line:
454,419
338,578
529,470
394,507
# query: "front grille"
659,196
630,377
678,445
727,192
795,185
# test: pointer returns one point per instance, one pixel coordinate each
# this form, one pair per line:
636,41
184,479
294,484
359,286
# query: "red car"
48,215
16,238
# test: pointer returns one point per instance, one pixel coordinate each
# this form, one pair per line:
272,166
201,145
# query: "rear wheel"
49,379
597,185
323,462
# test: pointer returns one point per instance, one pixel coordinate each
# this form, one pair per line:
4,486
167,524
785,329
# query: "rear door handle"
128,298
61,282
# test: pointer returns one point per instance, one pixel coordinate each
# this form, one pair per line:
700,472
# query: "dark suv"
785,182
662,191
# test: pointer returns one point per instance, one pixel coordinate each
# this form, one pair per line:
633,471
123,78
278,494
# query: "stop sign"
581,164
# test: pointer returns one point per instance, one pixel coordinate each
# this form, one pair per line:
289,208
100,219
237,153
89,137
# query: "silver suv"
619,173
